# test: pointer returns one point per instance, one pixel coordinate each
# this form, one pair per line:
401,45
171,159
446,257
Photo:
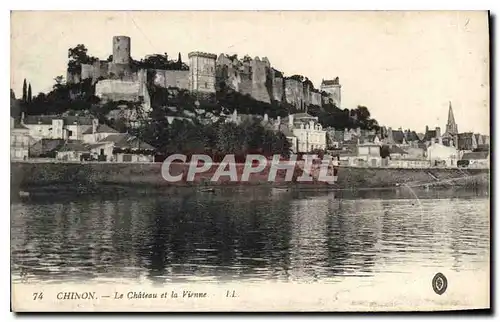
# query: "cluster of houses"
408,149
74,138
384,148
82,138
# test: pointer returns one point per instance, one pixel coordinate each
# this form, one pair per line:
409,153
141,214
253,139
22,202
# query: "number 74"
37,296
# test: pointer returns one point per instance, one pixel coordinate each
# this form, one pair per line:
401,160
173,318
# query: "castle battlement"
248,76
202,54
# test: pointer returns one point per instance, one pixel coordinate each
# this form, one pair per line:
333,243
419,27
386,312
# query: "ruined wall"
307,94
294,93
259,77
316,98
278,89
95,71
101,69
245,85
120,71
72,78
117,90
87,71
177,78
334,94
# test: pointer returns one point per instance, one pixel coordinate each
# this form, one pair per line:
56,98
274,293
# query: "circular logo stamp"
439,283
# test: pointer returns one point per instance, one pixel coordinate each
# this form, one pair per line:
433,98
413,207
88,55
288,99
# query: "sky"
404,66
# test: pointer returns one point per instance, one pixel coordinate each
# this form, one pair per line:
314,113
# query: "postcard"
244,161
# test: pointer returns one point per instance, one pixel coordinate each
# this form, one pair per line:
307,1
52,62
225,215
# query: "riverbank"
94,177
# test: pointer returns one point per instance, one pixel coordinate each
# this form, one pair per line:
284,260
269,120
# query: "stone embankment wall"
446,177
30,175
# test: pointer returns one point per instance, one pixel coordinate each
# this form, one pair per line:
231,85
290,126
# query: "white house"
19,140
57,127
97,132
369,155
309,133
440,154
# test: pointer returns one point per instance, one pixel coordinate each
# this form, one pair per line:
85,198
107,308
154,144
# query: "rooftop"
101,128
394,149
127,141
475,155
47,119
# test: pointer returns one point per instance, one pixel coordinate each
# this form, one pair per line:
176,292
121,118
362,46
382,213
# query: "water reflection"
253,235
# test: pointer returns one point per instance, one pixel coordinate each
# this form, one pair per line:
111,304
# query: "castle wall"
294,93
118,90
307,95
120,71
87,71
160,79
278,89
101,69
334,92
259,89
316,98
72,78
245,85
172,78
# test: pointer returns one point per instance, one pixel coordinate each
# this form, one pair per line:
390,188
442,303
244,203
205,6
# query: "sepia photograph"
244,161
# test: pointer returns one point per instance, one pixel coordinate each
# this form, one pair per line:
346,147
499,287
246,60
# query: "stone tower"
119,68
121,50
333,88
451,126
202,72
259,78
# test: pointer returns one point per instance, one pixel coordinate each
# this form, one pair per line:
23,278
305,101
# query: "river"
248,234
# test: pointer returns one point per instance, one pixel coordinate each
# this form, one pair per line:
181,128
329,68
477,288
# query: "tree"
362,112
78,56
384,151
59,82
25,91
29,93
299,78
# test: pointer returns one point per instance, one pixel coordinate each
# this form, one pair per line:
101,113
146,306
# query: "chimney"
426,128
235,116
266,118
290,120
95,124
438,132
22,118
279,119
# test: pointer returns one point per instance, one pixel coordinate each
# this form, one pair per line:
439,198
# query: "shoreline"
85,178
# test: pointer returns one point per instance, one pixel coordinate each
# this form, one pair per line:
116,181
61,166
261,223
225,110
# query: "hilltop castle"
122,79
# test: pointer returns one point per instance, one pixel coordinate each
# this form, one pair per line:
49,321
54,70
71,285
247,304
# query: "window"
70,133
102,151
206,85
127,158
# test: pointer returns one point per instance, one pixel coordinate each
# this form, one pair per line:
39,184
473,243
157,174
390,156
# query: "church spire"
451,126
